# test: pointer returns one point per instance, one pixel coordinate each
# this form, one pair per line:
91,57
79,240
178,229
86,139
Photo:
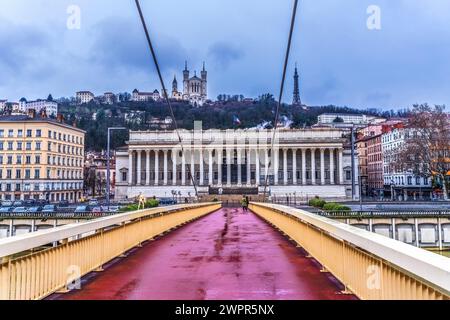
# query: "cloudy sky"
242,41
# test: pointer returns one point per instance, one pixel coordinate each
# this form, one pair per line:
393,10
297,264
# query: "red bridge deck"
226,255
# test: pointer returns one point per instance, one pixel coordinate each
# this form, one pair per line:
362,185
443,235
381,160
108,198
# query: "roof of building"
37,118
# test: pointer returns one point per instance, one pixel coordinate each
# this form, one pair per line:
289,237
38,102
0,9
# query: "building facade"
400,184
301,163
83,97
40,158
346,119
195,89
50,107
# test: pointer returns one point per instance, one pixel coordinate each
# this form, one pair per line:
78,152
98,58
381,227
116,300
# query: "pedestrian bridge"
203,251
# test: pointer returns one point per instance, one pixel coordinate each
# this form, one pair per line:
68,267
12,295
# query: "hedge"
331,206
152,203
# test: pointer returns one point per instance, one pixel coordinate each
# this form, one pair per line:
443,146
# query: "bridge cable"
277,114
166,97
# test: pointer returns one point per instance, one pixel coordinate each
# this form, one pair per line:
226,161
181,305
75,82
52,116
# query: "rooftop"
37,118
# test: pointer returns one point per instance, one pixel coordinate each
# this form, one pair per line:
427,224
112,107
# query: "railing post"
5,280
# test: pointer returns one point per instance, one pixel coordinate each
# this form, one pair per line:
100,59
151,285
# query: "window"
409,180
50,134
348,175
19,145
49,146
10,159
1,159
124,176
28,145
38,160
10,145
27,174
18,174
28,159
37,174
9,174
29,133
20,133
19,160
48,174
10,133
38,133
2,133
38,146
1,145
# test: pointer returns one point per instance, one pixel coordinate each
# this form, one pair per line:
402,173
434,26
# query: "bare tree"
427,144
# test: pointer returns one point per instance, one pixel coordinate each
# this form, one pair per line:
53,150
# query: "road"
225,255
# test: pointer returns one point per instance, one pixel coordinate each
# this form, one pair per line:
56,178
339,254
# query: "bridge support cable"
283,79
166,97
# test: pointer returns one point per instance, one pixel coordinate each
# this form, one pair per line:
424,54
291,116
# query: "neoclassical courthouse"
301,163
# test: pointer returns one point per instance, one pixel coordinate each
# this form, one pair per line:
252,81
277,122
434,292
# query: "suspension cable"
277,113
166,97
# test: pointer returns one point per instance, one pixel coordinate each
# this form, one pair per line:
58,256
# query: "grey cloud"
224,53
121,44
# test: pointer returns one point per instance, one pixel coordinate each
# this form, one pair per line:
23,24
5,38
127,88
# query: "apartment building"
40,158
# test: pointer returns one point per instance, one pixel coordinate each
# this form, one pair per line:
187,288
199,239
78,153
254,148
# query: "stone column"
183,168
139,167
266,165
219,166
322,166
331,166
174,167
147,168
341,167
166,170
304,167
202,168
193,177
229,167
156,167
258,169
276,159
239,164
313,166
130,167
294,166
285,169
211,174
249,169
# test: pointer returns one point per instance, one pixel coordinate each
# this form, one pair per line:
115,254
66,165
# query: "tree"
50,97
427,145
338,120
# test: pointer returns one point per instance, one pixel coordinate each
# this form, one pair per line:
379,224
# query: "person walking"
243,204
247,202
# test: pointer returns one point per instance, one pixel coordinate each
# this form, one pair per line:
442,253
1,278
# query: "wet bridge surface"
225,255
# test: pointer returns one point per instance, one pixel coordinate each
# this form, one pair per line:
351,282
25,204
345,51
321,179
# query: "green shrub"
331,206
152,203
317,202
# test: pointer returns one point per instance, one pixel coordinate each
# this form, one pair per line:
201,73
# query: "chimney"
60,118
32,113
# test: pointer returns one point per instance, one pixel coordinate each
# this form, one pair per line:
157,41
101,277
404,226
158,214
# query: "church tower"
204,75
296,101
186,79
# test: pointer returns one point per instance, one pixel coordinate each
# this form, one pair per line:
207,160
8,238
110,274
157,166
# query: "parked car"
82,209
97,210
20,210
93,202
7,203
167,201
63,203
34,209
6,209
50,208
18,203
29,202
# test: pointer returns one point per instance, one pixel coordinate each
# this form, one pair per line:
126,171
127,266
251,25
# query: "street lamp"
108,166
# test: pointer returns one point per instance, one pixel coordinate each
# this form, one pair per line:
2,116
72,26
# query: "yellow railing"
81,248
369,265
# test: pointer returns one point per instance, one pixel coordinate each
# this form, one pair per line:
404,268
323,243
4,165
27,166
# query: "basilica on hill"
195,89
